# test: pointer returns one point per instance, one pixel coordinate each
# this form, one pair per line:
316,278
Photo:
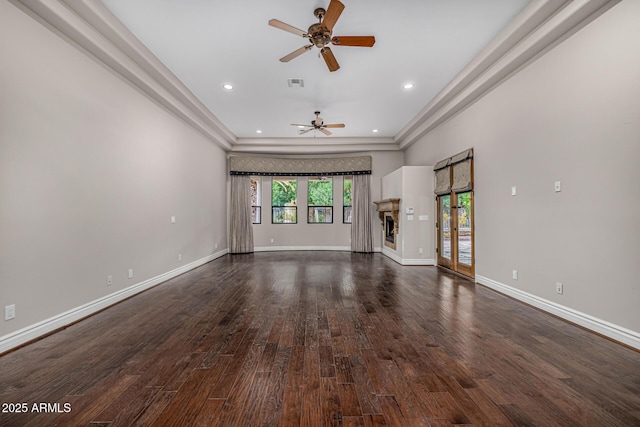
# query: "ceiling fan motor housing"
319,36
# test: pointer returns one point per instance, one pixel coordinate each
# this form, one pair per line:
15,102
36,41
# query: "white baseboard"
24,335
615,332
301,248
407,261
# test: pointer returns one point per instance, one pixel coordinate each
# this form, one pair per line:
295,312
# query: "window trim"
320,178
318,206
258,215
294,207
344,217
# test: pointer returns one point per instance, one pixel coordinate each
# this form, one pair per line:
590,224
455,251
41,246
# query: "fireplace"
388,212
389,230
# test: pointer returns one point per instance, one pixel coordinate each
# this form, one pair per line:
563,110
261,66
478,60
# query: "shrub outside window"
346,199
320,200
256,200
284,195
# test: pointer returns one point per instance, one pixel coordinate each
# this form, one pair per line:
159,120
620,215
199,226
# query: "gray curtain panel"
361,223
241,229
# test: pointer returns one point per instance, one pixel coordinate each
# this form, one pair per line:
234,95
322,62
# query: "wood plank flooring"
321,339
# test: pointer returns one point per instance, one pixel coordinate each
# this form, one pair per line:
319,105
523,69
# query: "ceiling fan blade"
298,124
335,125
286,27
333,13
326,132
331,60
295,53
302,132
363,41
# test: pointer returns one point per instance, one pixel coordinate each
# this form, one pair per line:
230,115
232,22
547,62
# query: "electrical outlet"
131,273
420,251
272,240
513,190
9,312
179,257
514,274
559,288
173,219
109,280
557,187
215,246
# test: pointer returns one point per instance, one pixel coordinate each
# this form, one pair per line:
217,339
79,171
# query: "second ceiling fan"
320,35
317,124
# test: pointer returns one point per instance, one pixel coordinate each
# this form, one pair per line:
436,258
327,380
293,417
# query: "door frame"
453,264
442,261
467,270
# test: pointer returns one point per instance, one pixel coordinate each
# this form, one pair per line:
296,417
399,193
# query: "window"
256,200
284,195
320,200
346,199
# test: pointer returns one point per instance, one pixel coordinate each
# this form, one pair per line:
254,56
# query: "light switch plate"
9,312
557,186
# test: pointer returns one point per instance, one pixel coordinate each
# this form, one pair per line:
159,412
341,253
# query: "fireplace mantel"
388,205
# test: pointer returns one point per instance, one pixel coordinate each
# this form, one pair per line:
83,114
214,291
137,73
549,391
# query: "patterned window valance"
267,166
461,177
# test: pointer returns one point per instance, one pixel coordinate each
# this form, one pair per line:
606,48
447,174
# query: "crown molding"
320,145
542,25
92,27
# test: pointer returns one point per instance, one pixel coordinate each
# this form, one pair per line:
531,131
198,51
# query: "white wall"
413,185
320,236
90,173
572,116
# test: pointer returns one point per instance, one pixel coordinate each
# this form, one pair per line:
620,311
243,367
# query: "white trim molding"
37,330
301,248
333,145
542,25
407,261
610,330
538,28
91,26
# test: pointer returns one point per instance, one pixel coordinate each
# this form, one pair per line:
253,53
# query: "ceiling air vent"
295,82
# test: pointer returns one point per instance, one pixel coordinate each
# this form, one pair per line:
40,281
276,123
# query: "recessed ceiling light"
258,131
375,131
227,86
408,86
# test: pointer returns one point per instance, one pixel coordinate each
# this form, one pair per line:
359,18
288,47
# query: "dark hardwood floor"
322,338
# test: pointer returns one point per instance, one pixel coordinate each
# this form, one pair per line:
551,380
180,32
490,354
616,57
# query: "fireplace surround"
388,210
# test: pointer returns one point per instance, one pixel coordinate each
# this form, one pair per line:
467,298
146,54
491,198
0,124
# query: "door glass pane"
445,231
464,228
